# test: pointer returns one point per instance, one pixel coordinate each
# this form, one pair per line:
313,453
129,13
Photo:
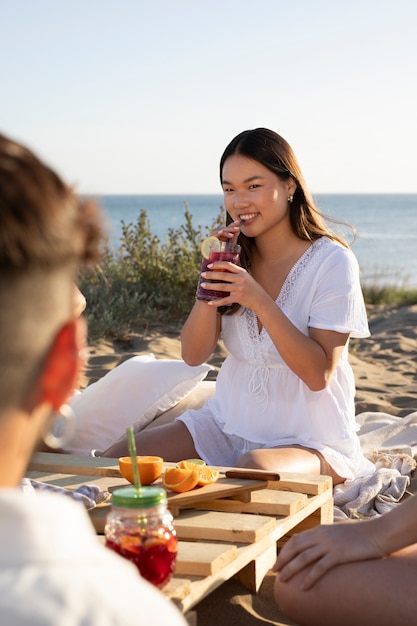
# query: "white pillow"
131,394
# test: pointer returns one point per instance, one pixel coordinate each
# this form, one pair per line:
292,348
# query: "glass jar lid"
145,497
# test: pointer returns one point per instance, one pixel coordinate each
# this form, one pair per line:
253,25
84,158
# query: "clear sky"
128,96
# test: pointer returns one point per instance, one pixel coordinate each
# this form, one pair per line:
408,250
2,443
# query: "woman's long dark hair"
273,152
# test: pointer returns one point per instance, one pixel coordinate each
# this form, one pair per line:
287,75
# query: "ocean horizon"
385,224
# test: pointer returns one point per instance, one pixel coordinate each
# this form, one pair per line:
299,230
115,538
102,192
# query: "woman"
285,395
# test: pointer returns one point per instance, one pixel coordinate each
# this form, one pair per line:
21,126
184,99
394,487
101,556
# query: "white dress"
260,402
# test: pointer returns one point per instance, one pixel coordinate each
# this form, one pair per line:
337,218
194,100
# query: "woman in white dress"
285,394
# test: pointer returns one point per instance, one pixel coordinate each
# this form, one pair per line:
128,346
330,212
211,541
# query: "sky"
127,96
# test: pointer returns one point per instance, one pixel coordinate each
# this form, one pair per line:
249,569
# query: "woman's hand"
323,547
236,282
228,232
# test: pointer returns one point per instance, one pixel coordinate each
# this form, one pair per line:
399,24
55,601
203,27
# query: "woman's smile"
247,218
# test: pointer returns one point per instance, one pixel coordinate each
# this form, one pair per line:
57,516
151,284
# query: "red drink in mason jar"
220,251
140,529
154,554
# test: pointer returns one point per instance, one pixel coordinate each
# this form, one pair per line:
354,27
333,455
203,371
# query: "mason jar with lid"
140,528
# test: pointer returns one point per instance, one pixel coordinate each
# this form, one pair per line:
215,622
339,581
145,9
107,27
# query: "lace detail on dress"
252,324
256,343
304,267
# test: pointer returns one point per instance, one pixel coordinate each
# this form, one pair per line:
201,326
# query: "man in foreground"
53,571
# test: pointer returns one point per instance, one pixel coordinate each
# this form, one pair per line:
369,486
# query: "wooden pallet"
234,534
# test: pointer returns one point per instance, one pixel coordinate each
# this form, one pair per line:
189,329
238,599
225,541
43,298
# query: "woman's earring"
62,428
290,199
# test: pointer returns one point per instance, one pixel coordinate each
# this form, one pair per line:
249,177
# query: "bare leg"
172,442
289,459
380,591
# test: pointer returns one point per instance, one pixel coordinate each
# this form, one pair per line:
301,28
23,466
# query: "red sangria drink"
153,554
140,528
220,251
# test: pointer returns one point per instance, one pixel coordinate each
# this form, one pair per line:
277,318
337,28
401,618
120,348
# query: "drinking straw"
132,451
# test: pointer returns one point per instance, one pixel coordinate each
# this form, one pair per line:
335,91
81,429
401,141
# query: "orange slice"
206,475
209,245
179,479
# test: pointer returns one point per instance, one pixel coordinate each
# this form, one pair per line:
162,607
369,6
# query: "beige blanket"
391,443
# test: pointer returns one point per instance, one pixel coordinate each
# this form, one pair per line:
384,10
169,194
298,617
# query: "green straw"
132,451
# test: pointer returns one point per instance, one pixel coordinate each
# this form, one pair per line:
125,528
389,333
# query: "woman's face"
256,195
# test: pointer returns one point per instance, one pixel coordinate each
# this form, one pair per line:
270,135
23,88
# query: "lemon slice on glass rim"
209,245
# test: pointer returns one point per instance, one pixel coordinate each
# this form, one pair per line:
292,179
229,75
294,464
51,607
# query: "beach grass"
151,282
146,281
389,294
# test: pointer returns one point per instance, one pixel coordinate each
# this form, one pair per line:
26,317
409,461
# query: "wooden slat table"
219,537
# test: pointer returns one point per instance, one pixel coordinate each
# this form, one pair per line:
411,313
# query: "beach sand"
385,368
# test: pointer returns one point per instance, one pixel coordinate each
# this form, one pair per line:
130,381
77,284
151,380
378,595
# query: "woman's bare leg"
380,591
172,442
289,459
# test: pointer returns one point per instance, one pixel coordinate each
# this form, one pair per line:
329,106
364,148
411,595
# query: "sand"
386,379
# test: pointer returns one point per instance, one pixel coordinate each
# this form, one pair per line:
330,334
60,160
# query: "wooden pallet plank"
311,484
217,526
203,558
71,481
222,488
178,588
252,575
265,502
322,515
74,464
312,511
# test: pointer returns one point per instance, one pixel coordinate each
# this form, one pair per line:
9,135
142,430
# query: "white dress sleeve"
338,302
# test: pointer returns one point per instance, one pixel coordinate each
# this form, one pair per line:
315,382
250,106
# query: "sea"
385,243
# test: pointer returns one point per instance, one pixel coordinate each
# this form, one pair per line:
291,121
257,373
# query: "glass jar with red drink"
219,251
140,528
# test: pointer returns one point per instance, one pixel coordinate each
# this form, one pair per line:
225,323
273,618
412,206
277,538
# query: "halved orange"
179,479
206,475
150,468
